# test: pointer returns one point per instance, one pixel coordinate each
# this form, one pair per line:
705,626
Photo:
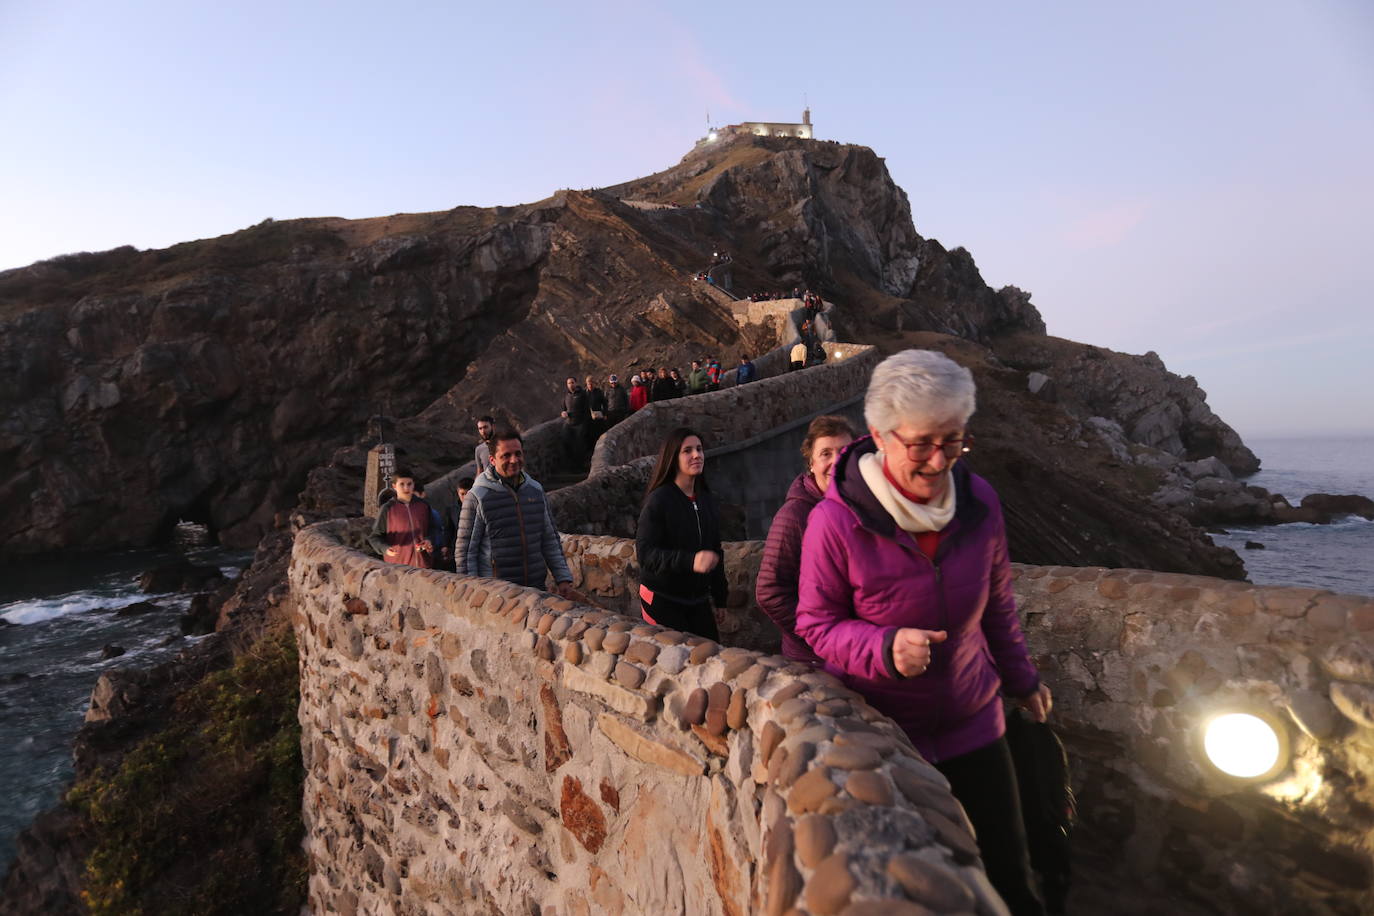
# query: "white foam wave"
42,609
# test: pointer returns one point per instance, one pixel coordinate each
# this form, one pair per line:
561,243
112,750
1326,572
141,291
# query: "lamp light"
712,136
1250,746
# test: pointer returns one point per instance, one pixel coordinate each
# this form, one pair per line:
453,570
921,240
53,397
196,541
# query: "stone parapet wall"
606,571
740,412
471,746
1139,661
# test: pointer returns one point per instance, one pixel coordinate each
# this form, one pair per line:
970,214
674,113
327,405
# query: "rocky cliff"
207,380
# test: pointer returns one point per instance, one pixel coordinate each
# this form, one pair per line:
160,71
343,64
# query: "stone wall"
471,746
606,571
1139,661
741,412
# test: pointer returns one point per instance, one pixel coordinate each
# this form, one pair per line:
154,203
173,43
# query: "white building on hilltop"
763,129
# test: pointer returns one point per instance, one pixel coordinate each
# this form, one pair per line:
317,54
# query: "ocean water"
60,616
1339,556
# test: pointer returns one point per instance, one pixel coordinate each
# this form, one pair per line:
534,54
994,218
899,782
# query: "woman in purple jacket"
906,593
776,587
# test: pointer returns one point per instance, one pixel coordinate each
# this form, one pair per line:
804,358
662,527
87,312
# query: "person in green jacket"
698,378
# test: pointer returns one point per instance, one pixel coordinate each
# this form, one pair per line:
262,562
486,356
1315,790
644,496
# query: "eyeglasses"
920,451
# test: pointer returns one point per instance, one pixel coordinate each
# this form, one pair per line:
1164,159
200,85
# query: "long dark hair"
665,472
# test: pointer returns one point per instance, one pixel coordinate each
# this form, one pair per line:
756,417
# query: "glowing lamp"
1245,745
712,136
839,354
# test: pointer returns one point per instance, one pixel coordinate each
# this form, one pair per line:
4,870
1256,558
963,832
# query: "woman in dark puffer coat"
776,587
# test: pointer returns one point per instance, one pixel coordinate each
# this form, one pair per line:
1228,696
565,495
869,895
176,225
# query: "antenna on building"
806,109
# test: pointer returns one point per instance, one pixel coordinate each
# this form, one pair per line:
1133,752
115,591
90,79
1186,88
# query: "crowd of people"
887,566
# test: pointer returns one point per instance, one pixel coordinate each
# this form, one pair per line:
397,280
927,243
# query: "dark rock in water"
5,623
200,618
1333,505
111,651
15,678
1253,545
182,576
137,608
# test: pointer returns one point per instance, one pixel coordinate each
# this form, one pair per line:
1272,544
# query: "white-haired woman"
906,592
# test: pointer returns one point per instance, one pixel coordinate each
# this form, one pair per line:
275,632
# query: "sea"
56,620
1338,556
61,616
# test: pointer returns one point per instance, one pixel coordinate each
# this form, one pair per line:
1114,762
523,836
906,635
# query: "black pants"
697,619
984,781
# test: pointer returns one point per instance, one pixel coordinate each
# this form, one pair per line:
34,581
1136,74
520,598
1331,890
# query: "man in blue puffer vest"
505,529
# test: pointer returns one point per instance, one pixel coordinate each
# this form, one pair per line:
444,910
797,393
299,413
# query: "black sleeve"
377,537
651,540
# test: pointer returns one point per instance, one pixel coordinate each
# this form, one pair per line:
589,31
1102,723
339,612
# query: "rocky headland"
238,381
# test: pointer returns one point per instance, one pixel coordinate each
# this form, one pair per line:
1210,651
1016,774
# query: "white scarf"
909,516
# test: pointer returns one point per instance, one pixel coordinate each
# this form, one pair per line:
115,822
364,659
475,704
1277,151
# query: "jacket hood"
848,487
804,487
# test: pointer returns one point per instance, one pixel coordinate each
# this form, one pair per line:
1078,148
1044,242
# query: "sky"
1192,178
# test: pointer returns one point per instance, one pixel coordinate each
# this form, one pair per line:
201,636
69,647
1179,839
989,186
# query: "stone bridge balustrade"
472,745
740,412
1139,661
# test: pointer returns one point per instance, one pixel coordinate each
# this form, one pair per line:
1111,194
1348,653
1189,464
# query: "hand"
391,551
705,561
425,545
911,650
1038,704
445,553
564,589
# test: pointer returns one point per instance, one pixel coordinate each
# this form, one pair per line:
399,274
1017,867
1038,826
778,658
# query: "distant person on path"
713,374
906,591
679,384
505,529
678,544
577,421
776,587
797,357
617,401
697,379
639,393
482,455
401,534
663,388
460,492
745,372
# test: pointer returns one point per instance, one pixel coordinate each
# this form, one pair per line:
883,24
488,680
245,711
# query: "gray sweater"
508,533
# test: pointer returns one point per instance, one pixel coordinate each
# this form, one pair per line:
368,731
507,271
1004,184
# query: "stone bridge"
475,746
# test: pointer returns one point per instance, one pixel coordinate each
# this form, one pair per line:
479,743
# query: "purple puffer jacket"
776,587
863,578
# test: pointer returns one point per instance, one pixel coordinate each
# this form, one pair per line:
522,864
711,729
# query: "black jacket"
617,399
671,531
575,405
596,400
662,389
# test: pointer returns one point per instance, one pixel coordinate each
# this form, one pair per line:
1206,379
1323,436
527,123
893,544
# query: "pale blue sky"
1190,178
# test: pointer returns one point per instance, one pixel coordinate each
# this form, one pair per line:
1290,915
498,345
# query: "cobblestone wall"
1139,661
605,569
471,746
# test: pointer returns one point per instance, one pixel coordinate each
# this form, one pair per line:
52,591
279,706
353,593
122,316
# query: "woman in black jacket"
679,549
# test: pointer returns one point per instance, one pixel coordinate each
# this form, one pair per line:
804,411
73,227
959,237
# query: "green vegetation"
204,817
